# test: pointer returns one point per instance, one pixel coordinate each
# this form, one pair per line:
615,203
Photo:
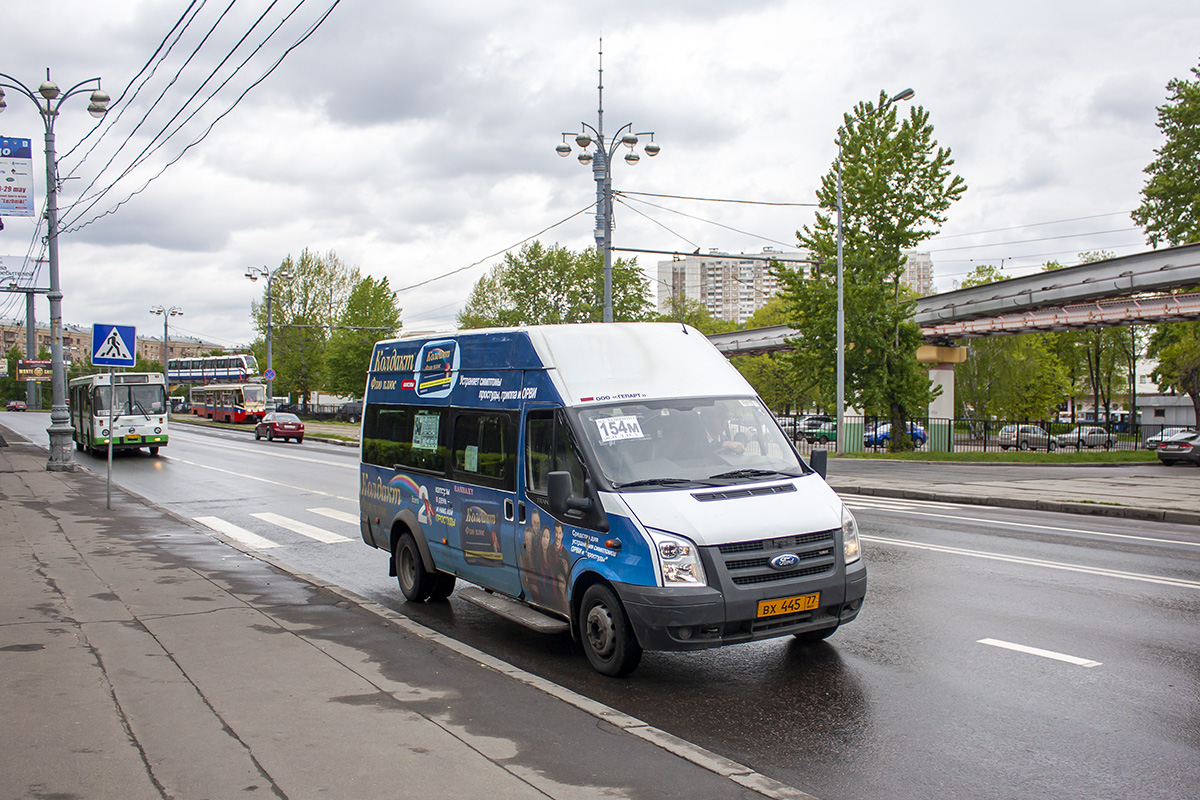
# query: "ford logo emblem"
784,561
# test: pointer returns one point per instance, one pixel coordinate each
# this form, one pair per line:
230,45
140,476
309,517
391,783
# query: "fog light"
684,633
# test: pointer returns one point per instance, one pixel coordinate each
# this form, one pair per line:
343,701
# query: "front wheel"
607,635
1050,447
1024,445
415,582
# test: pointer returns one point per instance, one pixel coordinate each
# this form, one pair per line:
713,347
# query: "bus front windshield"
145,399
700,441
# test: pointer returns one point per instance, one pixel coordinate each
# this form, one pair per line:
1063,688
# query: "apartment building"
77,342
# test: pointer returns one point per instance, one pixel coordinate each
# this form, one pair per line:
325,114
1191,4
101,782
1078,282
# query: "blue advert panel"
475,371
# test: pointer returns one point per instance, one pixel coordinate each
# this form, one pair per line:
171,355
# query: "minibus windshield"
666,443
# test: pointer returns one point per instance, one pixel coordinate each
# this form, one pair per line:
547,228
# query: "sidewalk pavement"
142,658
1120,490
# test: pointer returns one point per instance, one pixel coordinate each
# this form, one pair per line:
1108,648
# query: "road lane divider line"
1036,562
265,480
877,500
277,454
1037,651
236,533
338,514
1035,526
302,528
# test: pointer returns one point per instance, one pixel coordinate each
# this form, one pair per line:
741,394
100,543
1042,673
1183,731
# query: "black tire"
1024,445
257,435
1005,447
153,451
812,637
299,440
270,436
443,586
1050,447
415,583
606,633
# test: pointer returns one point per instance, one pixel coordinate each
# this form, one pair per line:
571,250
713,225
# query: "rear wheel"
153,451
299,440
607,635
1050,446
1024,445
415,582
270,436
257,435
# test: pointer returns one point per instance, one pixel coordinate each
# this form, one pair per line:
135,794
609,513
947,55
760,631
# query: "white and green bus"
139,411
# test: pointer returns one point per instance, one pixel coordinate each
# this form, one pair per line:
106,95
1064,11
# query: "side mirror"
561,498
819,461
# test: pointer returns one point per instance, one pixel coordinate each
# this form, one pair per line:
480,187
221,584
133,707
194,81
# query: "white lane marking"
265,480
302,528
874,500
1035,651
340,516
1037,562
1035,526
237,534
278,454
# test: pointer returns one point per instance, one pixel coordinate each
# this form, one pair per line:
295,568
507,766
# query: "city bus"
620,482
235,368
139,411
230,402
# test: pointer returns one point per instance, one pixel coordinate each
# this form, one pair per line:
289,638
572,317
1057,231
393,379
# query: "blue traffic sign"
269,374
114,345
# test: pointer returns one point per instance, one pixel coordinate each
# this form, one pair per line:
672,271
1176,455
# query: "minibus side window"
485,449
405,437
549,448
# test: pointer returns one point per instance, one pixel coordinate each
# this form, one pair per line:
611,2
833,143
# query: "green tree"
10,387
370,314
1170,209
897,186
303,308
1177,348
770,374
545,286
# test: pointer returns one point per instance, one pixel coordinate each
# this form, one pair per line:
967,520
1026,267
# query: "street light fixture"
51,99
166,313
253,273
841,311
600,157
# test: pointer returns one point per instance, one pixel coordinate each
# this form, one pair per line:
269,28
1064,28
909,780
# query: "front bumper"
703,617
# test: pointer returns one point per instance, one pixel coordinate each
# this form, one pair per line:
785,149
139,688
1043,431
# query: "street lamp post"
841,310
48,99
167,313
253,274
601,160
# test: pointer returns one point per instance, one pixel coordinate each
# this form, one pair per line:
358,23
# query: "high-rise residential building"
918,272
731,286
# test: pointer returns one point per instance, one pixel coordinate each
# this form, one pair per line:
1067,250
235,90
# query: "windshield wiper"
657,482
138,404
751,473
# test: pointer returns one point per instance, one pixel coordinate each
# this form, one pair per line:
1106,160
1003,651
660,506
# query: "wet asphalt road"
905,702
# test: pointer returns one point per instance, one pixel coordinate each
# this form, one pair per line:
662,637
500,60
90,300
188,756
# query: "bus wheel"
153,451
443,586
415,582
607,636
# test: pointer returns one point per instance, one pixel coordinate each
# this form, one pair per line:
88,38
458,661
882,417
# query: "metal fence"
974,435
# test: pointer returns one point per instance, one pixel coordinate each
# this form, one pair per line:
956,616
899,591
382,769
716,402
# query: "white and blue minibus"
622,482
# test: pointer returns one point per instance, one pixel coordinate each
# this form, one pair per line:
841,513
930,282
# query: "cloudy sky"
416,139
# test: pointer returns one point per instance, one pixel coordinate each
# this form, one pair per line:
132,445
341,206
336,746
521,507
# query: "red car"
15,405
277,425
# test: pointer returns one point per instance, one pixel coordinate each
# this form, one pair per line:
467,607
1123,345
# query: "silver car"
1088,436
1152,442
1026,437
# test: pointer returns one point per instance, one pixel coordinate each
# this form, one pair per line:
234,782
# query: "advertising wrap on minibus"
621,482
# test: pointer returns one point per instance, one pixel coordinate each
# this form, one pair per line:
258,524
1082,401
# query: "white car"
1152,442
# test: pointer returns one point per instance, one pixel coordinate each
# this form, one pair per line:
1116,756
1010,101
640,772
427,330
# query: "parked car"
1088,436
278,425
1152,442
880,434
1026,437
349,412
15,405
818,429
1182,448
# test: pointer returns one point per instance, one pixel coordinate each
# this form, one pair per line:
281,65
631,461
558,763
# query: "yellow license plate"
132,437
789,605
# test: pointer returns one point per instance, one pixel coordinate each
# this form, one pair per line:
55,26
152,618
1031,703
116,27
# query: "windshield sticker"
616,429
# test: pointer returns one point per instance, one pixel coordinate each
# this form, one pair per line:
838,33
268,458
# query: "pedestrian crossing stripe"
257,542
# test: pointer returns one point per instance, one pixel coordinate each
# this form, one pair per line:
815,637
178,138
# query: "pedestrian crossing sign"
114,345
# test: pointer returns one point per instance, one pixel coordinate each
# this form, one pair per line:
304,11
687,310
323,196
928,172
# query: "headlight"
678,561
851,549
